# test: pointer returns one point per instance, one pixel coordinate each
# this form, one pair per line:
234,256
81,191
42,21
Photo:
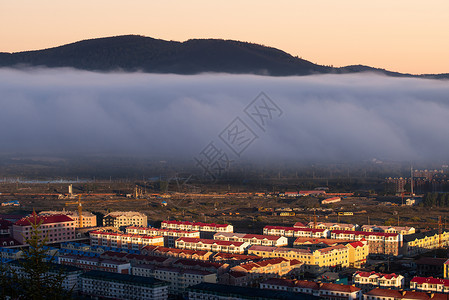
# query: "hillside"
138,53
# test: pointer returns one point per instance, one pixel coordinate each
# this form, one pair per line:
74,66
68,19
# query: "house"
119,219
295,231
384,294
170,235
430,284
332,226
123,240
370,280
186,225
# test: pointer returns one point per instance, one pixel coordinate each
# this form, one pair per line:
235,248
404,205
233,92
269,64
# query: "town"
245,244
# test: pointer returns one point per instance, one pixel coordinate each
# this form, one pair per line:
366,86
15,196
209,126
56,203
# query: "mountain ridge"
133,53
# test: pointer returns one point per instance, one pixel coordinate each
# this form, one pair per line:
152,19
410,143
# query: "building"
211,291
179,278
5,228
211,245
70,282
370,280
122,286
88,263
319,260
317,243
330,291
119,219
295,231
446,269
256,271
332,226
123,240
175,252
331,200
89,219
253,239
378,242
418,243
430,266
384,294
430,284
57,228
186,225
170,235
403,230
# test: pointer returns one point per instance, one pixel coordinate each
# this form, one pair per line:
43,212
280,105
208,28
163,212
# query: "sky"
355,117
409,36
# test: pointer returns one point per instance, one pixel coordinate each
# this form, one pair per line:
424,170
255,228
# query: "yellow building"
417,243
351,254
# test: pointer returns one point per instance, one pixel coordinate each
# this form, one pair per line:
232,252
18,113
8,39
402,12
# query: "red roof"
35,219
339,287
196,223
431,280
381,275
406,294
209,241
5,224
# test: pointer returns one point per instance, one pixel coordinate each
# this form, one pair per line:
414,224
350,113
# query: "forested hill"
139,53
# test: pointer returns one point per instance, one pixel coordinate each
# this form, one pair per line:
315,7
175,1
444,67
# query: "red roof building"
55,228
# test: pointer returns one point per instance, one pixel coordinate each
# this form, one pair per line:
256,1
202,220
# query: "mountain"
138,53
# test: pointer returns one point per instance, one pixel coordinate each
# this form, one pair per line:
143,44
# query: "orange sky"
406,36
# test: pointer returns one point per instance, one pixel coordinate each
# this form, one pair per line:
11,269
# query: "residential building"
94,263
430,266
170,235
418,243
253,239
332,226
446,269
123,240
57,228
70,281
122,286
119,219
317,243
211,245
175,252
295,231
211,291
329,291
370,280
260,270
178,278
186,225
88,220
403,230
430,284
384,294
378,242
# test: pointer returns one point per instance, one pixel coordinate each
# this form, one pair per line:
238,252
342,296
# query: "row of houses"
122,240
199,226
403,230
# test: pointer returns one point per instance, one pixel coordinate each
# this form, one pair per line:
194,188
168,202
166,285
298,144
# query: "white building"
170,235
122,286
296,231
123,240
253,239
370,280
211,245
186,225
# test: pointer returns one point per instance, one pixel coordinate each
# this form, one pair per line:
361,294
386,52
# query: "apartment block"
186,225
418,243
331,226
119,219
255,271
295,231
403,230
378,242
430,284
57,228
122,286
211,245
88,220
175,252
253,239
124,241
386,294
329,291
170,235
179,278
